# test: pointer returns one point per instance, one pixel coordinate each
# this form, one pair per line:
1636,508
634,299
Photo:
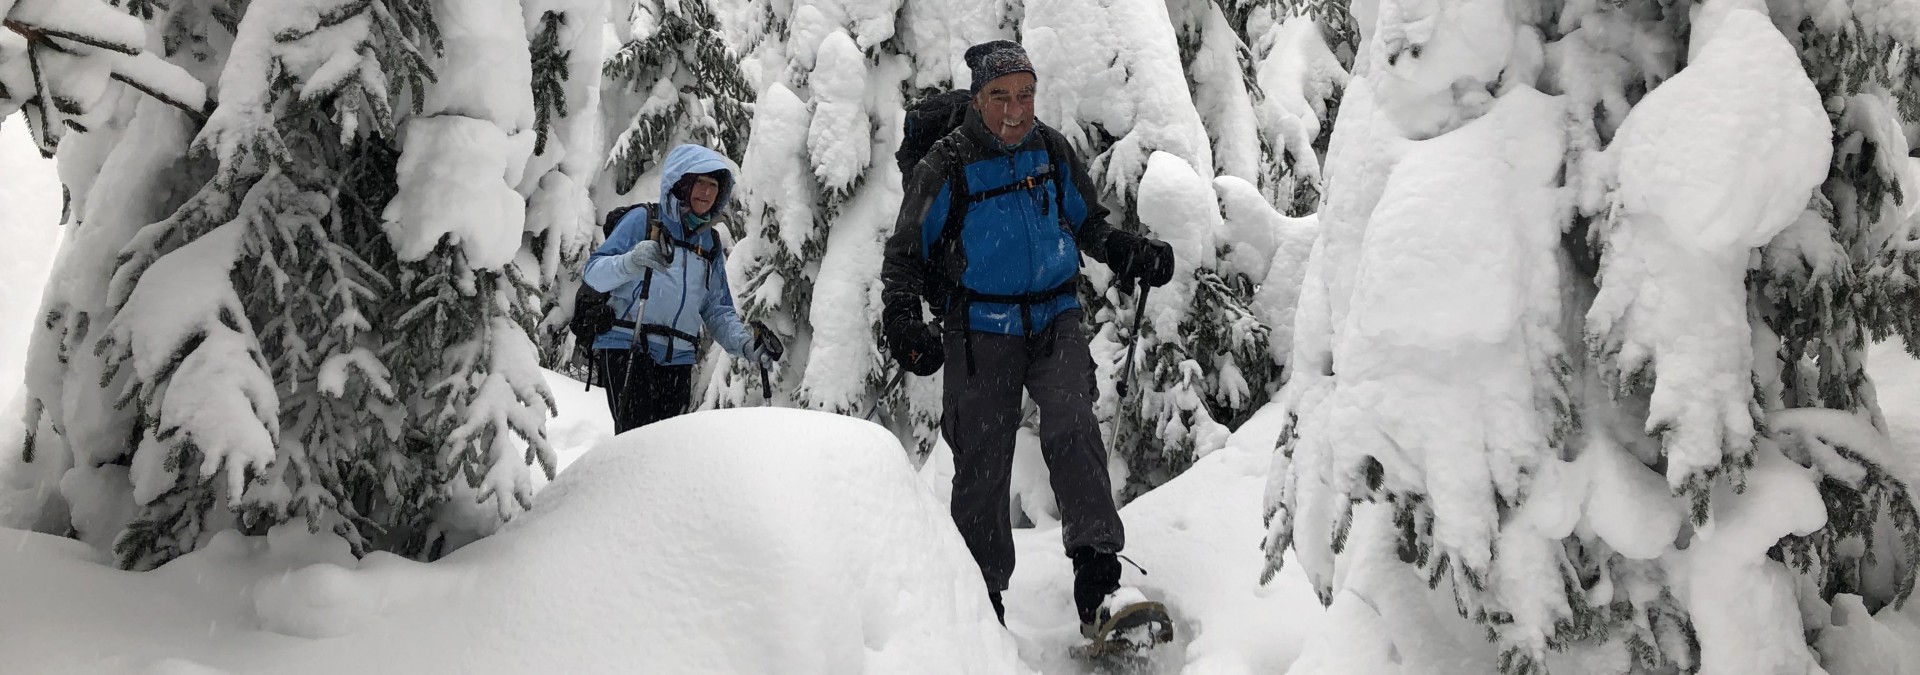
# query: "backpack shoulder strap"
1057,156
959,197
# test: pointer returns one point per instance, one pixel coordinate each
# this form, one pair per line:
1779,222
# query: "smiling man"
990,232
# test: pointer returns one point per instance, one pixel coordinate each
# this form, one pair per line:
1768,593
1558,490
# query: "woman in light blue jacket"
665,273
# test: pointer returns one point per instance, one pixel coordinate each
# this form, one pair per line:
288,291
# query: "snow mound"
751,540
755,540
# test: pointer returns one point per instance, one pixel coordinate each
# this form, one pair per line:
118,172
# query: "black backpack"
927,121
592,316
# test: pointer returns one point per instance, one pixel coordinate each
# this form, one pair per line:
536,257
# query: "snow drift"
733,541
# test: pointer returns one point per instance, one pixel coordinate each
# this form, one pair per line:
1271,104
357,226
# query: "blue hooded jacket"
690,291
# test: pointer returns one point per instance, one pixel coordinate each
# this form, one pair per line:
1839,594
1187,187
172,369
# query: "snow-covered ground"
718,542
757,540
735,541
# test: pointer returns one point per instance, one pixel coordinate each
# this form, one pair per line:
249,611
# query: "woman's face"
706,189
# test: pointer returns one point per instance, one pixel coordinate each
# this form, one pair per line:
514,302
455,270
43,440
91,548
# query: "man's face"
1006,104
705,190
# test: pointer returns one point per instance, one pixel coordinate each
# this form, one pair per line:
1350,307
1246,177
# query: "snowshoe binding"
1126,624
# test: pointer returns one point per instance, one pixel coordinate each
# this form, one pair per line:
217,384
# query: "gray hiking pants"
980,420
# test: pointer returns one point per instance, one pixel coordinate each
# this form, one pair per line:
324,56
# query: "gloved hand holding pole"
766,347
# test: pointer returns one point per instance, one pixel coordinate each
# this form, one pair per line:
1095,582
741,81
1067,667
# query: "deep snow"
733,541
725,541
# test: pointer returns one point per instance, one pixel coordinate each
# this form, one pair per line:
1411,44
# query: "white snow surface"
1857,643
1742,603
1453,308
1116,64
738,541
1432,60
1269,247
457,176
1198,538
30,224
735,541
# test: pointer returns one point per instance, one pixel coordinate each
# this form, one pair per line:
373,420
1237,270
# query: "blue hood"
692,159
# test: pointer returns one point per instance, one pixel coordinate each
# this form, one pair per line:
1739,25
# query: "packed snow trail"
1198,537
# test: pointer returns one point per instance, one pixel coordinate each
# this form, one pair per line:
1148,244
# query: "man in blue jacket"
991,229
669,281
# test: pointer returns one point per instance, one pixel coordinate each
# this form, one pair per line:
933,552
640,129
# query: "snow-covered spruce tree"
327,326
673,80
563,225
1844,270
1586,362
73,66
60,58
820,191
1302,51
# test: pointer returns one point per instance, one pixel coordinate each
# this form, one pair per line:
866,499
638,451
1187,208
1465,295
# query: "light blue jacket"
691,291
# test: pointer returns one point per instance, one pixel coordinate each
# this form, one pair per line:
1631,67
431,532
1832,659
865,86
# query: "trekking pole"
620,397
1133,343
892,382
633,346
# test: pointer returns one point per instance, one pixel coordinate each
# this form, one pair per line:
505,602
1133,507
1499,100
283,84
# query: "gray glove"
648,254
763,348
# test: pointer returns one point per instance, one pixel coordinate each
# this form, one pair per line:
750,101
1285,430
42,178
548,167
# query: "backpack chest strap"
1044,176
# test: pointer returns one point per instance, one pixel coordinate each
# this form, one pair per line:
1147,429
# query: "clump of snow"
732,541
840,142
1178,206
1628,506
457,176
1452,320
1384,620
1220,93
1116,66
112,28
1741,602
466,157
1269,248
775,175
1859,643
1433,62
1711,164
1297,73
491,73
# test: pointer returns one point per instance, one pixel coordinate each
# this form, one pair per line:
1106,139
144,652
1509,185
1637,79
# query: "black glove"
911,342
1150,261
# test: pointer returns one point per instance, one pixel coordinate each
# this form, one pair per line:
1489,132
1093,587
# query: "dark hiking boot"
1095,575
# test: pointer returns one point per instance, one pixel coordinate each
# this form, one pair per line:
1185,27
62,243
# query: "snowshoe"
1127,623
